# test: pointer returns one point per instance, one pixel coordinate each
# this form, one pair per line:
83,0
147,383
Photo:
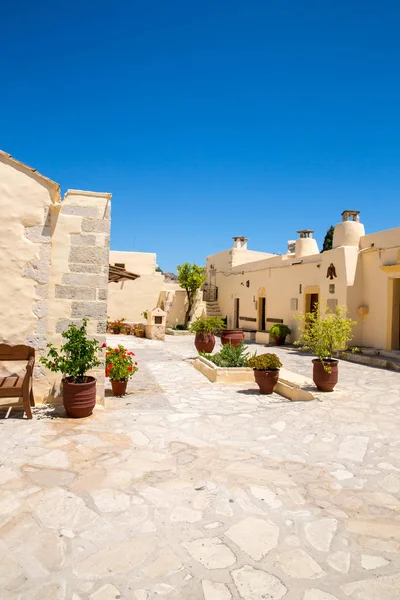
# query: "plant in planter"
138,330
229,356
325,333
117,326
278,333
74,359
266,371
205,330
234,337
120,366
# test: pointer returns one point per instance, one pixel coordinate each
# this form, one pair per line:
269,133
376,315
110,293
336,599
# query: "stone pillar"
155,327
78,280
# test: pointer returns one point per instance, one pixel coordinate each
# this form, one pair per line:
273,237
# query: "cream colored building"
130,299
362,271
53,267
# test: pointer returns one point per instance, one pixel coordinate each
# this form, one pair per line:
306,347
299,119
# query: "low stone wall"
290,385
179,332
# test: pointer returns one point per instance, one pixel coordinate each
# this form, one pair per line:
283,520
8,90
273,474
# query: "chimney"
240,242
291,247
349,231
305,244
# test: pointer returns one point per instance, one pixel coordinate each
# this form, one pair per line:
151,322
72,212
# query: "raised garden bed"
290,385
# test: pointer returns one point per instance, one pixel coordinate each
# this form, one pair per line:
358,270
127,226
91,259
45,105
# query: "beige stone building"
54,265
130,299
256,289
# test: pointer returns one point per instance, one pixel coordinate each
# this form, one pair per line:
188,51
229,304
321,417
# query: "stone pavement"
195,491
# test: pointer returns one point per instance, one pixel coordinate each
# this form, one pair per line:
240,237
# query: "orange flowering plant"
120,363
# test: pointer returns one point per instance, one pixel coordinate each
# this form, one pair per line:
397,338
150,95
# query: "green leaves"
265,362
207,325
191,278
229,356
77,356
325,333
120,364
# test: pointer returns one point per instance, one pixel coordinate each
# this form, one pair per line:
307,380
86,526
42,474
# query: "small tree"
325,333
328,240
191,277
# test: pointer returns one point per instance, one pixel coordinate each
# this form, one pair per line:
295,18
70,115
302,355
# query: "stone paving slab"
186,489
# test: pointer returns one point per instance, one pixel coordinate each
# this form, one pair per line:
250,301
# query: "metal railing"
210,293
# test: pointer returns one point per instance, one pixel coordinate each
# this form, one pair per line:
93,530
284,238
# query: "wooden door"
236,314
262,314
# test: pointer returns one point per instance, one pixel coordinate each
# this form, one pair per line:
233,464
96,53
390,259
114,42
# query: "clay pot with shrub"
266,371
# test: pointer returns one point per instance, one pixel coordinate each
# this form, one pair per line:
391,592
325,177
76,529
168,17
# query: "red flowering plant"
116,326
120,363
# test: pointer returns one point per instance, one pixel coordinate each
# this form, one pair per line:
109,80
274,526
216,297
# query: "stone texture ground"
190,490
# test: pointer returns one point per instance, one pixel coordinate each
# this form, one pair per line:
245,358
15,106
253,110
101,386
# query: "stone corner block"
94,310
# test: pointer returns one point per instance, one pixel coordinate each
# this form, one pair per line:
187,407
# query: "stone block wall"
78,279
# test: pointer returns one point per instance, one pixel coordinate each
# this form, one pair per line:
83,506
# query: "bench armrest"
29,371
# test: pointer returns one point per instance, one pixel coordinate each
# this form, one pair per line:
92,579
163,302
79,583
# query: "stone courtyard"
196,491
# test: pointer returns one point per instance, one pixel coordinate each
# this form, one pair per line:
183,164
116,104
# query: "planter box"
290,385
262,337
223,375
170,331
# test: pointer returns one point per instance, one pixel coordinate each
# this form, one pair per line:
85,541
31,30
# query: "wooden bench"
14,386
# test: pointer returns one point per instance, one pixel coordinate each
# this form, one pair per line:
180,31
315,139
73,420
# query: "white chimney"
349,231
240,242
305,244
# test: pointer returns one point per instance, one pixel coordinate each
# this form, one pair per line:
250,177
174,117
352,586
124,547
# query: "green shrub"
265,362
180,328
324,333
207,325
279,330
77,356
229,356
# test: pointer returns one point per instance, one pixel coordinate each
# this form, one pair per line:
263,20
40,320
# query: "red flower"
110,366
116,349
123,355
135,363
106,374
53,365
104,346
129,368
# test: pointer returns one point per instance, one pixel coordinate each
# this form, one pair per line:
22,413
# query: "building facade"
256,290
53,268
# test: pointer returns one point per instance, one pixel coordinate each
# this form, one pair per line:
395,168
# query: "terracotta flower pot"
232,336
116,330
280,341
79,399
204,342
139,333
325,380
266,380
119,388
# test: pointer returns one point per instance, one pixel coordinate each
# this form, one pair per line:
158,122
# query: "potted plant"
117,326
120,366
138,330
74,359
266,371
205,330
325,333
278,333
232,336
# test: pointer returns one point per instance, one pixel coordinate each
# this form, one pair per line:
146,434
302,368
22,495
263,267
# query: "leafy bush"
265,362
180,327
207,325
120,364
279,330
77,356
325,332
229,356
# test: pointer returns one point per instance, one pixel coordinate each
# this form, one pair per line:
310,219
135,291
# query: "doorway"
311,302
395,333
236,314
261,314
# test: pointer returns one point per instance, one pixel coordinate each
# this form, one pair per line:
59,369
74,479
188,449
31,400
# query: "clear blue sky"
209,119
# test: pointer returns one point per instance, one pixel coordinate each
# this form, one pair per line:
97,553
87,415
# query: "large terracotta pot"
204,342
232,336
116,330
79,399
139,333
325,380
119,388
266,380
280,341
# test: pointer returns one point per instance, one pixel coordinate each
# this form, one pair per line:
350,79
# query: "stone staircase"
213,309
